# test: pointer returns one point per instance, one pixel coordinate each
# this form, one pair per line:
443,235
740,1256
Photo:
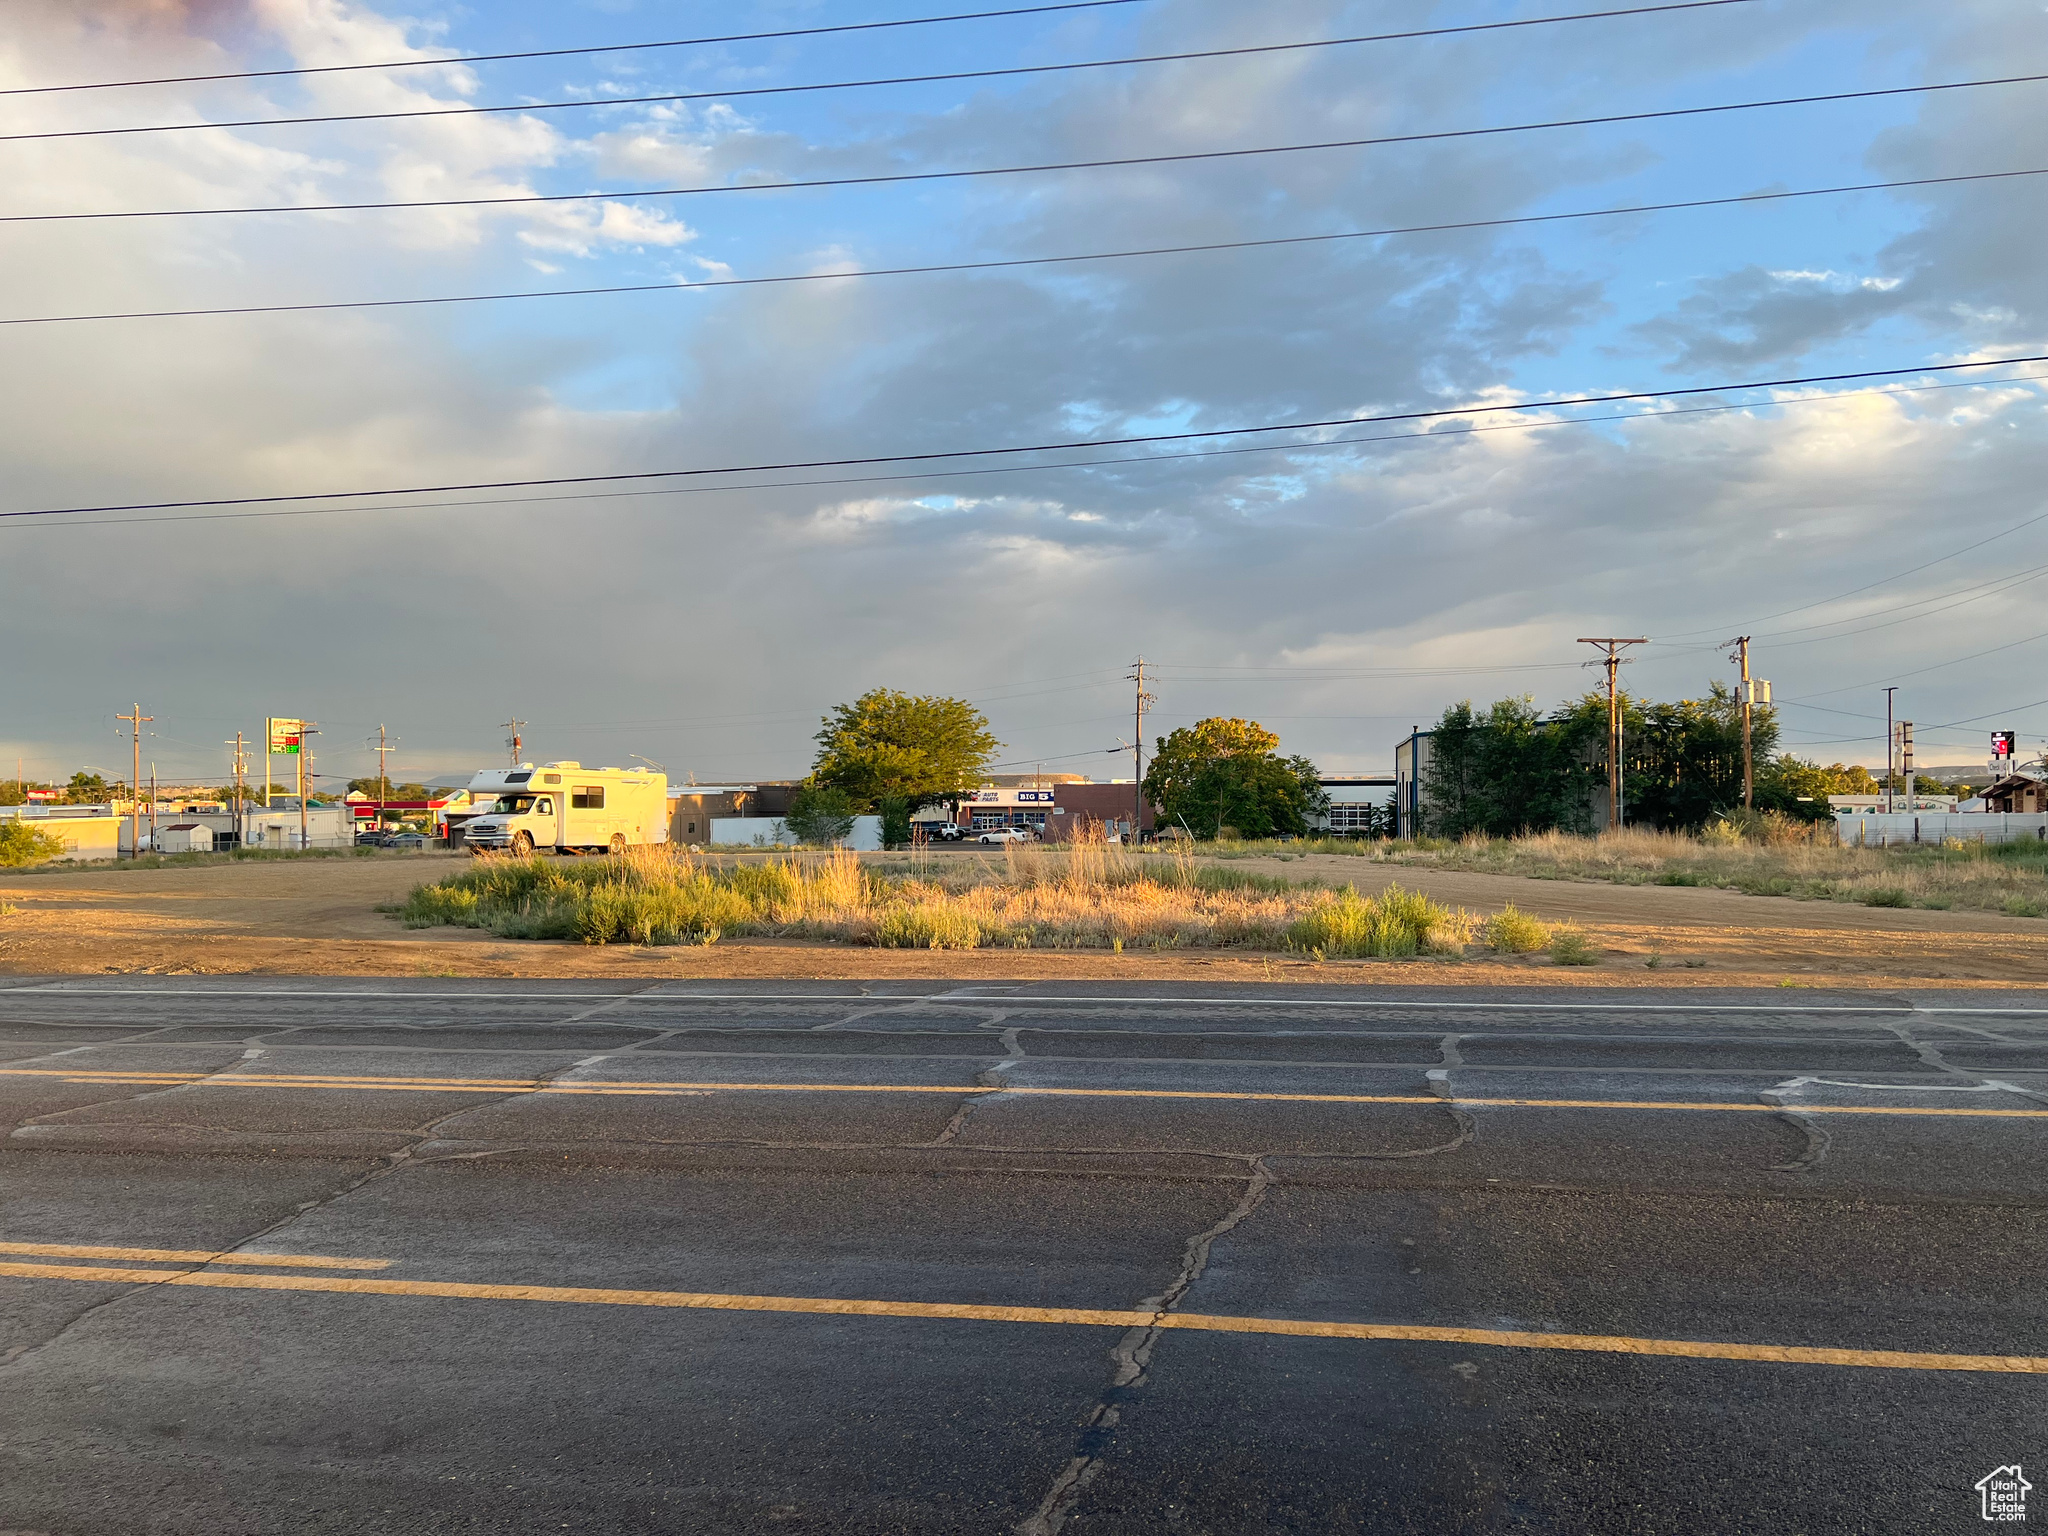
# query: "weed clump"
1512,931
1569,946
1393,925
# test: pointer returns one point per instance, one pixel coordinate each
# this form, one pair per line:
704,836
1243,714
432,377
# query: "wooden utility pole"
517,741
1611,658
136,721
1739,654
1143,702
241,803
383,780
307,730
1891,751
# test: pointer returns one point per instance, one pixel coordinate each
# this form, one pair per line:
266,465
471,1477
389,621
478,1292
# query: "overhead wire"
1066,445
576,52
927,269
1434,436
951,76
903,177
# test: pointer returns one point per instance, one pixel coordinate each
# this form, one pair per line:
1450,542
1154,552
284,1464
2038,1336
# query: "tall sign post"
283,738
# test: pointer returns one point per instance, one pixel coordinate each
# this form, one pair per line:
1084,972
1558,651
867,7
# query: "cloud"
706,620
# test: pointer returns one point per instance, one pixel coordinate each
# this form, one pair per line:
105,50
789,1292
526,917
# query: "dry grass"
1083,895
2010,878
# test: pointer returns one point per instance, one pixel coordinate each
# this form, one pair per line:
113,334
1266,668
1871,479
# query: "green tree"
1510,770
922,748
369,786
89,789
821,814
1222,773
896,812
23,842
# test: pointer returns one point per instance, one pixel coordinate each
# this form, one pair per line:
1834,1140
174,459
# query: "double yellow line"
208,1278
502,1085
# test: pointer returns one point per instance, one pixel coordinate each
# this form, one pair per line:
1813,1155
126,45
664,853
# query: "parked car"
1008,835
407,840
946,832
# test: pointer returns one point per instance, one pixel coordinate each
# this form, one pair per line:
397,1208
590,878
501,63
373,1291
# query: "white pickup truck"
567,808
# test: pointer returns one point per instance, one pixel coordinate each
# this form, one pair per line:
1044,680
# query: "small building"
184,837
1411,770
1057,809
2016,794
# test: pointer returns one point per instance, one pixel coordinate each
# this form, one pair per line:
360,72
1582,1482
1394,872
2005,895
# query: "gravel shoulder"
319,917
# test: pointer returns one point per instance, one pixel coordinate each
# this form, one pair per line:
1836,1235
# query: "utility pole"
1740,647
517,741
136,721
152,807
1611,659
383,780
307,730
1906,760
1143,702
241,804
1890,750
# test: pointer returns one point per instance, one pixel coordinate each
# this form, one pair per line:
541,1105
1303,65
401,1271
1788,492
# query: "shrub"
2023,906
821,816
1511,931
1887,896
1568,946
22,844
895,811
930,925
1395,924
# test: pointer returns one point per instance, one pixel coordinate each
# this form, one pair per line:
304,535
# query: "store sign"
1035,796
283,736
2001,743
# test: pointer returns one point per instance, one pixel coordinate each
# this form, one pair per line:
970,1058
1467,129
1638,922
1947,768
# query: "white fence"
1878,830
767,831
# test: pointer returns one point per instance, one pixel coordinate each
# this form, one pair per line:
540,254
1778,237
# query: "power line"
1034,261
1011,71
898,177
1448,434
562,53
1047,447
1882,581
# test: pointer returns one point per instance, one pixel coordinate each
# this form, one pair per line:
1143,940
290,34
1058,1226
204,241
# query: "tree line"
1511,769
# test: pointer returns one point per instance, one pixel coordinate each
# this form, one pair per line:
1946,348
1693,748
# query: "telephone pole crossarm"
1611,658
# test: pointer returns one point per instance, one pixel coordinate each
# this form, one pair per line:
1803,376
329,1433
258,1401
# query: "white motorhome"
567,808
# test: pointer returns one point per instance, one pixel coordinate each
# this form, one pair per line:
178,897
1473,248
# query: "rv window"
552,778
544,807
512,805
587,797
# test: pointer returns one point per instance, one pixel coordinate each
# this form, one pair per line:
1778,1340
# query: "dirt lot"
318,917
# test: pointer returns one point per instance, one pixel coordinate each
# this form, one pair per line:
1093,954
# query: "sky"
1342,585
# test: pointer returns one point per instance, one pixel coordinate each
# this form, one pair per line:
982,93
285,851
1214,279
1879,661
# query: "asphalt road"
451,1256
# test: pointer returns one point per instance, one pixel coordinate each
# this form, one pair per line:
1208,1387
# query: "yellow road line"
832,1306
633,1089
191,1256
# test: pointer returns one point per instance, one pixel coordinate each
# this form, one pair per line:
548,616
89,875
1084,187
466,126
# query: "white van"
567,808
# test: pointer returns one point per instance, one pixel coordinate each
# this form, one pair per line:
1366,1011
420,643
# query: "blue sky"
1341,595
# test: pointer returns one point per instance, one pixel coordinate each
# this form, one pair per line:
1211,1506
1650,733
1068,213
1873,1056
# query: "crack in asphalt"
1131,1358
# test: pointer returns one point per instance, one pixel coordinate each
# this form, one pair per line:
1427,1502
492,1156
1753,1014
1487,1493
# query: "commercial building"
87,831
1055,809
1360,806
693,807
